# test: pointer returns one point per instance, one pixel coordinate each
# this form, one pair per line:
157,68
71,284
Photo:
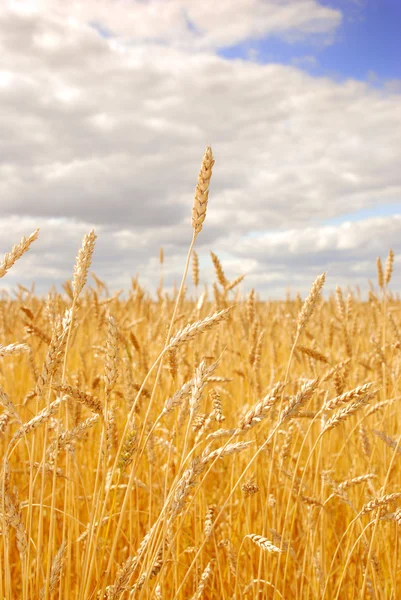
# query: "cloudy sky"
106,107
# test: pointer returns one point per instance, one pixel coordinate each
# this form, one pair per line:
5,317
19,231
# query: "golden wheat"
103,445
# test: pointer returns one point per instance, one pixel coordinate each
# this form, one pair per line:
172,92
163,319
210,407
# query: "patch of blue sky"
384,210
368,42
101,29
366,46
190,24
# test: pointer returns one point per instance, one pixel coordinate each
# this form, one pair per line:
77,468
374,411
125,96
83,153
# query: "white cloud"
99,133
346,251
272,262
308,61
185,23
366,235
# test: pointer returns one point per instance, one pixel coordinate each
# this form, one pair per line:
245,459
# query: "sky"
106,107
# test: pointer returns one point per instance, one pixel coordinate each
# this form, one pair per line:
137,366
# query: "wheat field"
199,445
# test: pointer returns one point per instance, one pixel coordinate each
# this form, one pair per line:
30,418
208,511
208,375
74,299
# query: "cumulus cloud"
195,25
272,262
100,131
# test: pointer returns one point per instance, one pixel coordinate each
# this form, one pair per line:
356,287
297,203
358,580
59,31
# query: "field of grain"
199,445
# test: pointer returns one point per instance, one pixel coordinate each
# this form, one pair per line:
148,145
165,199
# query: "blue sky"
366,46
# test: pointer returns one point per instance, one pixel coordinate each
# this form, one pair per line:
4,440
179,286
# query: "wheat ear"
17,251
389,267
305,314
221,278
202,191
83,263
380,276
55,572
263,543
203,580
378,502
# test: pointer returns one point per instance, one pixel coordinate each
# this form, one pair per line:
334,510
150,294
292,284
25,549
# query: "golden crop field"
203,445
